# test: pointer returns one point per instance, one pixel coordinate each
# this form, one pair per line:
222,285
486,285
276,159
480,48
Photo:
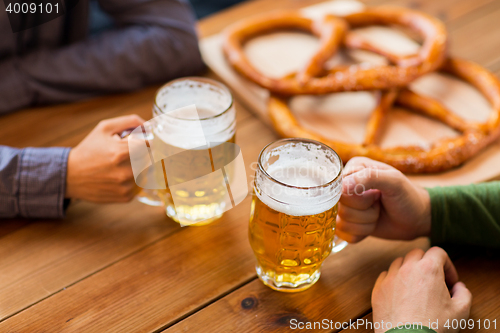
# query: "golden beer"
196,147
293,216
202,199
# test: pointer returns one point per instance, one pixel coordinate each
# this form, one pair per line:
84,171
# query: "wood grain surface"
127,268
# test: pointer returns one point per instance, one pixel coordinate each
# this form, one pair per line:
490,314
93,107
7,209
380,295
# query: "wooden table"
127,268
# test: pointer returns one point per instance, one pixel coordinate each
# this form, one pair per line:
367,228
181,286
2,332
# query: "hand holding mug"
380,201
99,167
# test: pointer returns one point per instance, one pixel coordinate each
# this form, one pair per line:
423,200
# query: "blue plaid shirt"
32,182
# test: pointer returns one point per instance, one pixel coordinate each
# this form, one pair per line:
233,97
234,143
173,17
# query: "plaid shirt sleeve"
32,182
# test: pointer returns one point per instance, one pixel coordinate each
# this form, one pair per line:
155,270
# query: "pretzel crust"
331,29
441,155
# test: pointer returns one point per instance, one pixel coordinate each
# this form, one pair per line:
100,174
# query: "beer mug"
192,133
297,187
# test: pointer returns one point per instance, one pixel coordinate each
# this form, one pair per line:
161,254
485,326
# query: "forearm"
32,182
14,91
466,215
155,41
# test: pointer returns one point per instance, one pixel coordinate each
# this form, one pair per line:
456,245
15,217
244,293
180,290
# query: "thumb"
461,295
119,124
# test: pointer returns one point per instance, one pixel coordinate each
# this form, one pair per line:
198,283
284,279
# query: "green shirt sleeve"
466,215
415,329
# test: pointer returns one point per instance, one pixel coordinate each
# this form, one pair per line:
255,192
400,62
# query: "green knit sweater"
466,215
463,215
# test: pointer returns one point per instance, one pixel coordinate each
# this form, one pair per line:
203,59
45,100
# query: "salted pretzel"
330,31
390,79
430,56
441,155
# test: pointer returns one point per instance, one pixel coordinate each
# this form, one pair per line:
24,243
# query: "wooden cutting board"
343,116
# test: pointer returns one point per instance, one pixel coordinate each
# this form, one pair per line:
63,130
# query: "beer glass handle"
338,244
148,197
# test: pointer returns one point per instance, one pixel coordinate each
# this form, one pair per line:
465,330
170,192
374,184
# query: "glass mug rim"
199,79
300,140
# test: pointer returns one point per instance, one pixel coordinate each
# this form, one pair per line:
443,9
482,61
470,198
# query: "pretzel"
356,77
391,80
433,51
439,156
330,31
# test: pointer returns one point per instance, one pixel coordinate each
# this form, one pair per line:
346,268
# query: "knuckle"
341,227
373,214
354,164
345,236
120,155
369,228
356,239
416,251
359,160
396,264
406,270
376,293
398,259
133,119
388,280
373,172
124,199
345,227
383,274
469,302
124,177
358,177
355,229
136,118
429,266
123,191
126,192
103,124
343,212
397,175
129,196
463,307
437,250
360,181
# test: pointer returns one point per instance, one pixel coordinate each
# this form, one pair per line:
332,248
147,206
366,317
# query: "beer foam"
177,126
303,167
185,92
300,172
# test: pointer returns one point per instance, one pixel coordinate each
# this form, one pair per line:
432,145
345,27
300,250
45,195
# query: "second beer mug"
194,158
297,187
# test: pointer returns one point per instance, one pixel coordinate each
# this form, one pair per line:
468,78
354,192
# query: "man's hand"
415,290
379,200
99,167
